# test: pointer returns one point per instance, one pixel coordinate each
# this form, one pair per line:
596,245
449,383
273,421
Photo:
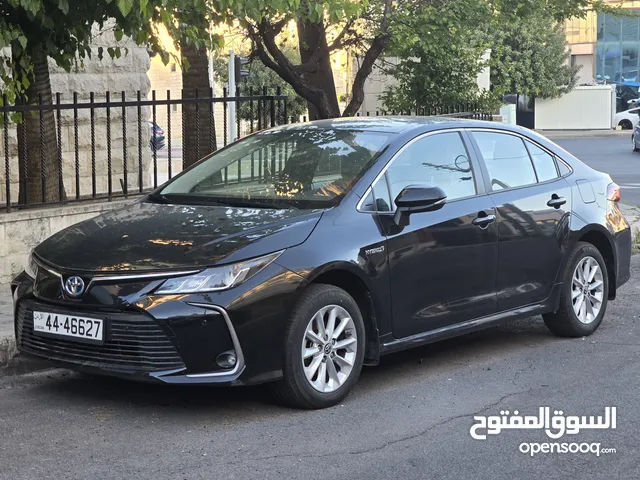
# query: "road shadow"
450,356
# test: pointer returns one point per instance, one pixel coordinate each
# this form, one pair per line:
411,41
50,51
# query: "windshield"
304,168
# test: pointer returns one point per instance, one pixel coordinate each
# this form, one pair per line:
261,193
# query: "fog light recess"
227,359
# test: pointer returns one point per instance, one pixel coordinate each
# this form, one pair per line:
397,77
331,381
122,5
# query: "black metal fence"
99,147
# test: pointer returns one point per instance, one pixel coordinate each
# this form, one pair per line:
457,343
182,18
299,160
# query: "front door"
534,205
443,264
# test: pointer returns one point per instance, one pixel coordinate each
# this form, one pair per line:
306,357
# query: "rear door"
534,205
443,264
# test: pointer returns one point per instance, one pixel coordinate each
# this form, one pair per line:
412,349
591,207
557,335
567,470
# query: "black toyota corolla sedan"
299,254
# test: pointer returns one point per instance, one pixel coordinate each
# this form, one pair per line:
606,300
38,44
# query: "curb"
13,363
8,350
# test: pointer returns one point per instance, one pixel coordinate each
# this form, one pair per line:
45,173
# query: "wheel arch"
625,122
599,237
346,277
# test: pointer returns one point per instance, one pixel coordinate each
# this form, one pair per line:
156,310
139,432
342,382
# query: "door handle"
484,221
556,201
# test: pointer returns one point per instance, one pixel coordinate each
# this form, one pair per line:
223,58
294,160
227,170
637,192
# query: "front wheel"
634,146
585,291
324,349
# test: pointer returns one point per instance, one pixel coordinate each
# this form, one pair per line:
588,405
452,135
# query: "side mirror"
415,199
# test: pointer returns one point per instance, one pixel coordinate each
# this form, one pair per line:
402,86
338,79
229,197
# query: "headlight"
31,268
217,278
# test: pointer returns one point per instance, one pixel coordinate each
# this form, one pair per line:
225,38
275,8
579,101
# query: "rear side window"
507,160
543,162
562,167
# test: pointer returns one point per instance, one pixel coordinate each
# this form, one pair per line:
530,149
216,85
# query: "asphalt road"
612,155
408,418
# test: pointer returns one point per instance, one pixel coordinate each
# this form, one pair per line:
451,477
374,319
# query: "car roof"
399,124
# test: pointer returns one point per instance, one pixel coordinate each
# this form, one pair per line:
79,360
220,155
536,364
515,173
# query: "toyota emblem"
74,286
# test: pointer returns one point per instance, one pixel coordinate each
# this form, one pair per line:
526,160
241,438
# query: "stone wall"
128,74
22,230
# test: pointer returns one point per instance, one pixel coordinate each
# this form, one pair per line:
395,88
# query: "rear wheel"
324,349
585,291
625,125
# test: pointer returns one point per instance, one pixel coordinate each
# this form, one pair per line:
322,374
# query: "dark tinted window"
440,160
507,160
368,204
384,202
544,163
307,167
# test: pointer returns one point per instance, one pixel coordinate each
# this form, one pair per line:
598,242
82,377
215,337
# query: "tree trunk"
37,141
312,36
200,134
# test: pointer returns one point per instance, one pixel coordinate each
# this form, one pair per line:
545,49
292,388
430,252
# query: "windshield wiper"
158,198
177,199
246,203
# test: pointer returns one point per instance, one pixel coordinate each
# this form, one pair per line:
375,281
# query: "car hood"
148,237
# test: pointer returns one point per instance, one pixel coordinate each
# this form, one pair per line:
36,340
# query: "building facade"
606,47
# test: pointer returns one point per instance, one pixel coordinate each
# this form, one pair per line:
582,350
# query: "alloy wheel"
587,290
329,348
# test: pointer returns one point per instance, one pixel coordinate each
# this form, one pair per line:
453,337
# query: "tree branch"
272,56
378,45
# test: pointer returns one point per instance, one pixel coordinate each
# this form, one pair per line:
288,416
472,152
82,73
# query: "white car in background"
627,120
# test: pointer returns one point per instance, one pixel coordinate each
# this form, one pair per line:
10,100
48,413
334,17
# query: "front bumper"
136,346
167,338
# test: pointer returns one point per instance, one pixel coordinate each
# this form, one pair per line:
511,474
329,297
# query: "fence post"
43,164
139,121
109,179
225,118
237,110
169,160
273,111
76,148
197,124
5,124
92,116
232,89
279,105
59,125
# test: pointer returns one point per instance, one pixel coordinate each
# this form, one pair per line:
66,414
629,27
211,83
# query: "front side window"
304,168
439,160
506,159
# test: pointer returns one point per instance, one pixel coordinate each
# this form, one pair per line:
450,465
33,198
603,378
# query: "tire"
294,389
625,125
566,322
633,144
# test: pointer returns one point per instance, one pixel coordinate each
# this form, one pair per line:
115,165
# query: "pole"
232,90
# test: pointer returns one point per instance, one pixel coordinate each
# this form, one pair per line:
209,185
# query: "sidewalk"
558,134
7,341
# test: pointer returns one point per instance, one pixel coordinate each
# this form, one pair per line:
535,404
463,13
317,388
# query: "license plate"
62,325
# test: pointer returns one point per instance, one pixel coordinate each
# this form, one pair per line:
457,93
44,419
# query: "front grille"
135,342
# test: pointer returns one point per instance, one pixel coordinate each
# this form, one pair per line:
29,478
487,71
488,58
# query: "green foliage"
332,11
439,51
439,48
62,30
260,77
530,57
